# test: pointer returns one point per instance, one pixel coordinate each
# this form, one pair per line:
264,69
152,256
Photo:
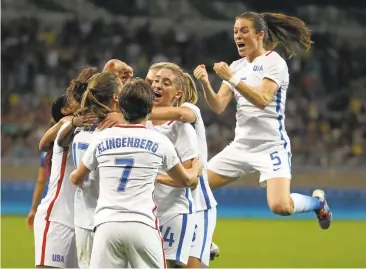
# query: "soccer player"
205,203
86,196
175,205
129,157
259,81
54,234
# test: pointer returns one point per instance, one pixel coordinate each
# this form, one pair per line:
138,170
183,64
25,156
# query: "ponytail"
288,32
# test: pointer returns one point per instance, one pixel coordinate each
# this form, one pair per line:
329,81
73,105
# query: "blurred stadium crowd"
326,107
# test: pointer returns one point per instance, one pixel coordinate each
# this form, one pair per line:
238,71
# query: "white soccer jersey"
254,124
58,205
128,158
87,196
174,201
202,195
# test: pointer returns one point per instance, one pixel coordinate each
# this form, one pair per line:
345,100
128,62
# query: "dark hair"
79,85
57,105
99,93
289,32
136,100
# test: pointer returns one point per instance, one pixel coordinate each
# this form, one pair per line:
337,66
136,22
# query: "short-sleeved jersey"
255,125
202,195
128,158
174,201
86,197
58,205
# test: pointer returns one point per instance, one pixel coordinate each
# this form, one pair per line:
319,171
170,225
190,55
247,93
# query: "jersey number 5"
128,163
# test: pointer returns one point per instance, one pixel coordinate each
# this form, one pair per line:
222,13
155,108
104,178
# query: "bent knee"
281,207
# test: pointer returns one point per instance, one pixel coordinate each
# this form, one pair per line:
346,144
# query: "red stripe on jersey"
157,228
130,126
44,243
59,184
170,122
268,53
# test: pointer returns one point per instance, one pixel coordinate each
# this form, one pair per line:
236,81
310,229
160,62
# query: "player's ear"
65,111
178,94
115,98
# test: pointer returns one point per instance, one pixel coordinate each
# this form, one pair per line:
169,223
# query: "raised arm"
259,97
49,137
216,101
183,114
67,133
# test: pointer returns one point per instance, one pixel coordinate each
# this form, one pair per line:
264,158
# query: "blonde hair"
185,82
98,95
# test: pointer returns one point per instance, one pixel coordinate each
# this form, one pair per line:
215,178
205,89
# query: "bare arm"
259,97
216,101
79,174
186,177
49,137
183,114
67,133
37,194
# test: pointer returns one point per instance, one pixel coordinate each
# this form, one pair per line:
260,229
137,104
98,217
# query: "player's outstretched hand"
200,73
30,219
111,120
223,71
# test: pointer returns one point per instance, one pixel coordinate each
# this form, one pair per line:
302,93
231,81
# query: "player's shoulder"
193,107
273,58
237,64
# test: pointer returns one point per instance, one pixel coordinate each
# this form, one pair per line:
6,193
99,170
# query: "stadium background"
45,42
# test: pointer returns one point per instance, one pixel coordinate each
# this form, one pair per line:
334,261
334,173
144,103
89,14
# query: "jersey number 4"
128,163
168,236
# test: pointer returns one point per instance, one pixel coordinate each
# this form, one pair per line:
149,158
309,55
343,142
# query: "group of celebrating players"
130,184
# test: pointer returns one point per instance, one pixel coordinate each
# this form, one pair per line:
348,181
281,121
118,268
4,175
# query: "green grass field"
243,243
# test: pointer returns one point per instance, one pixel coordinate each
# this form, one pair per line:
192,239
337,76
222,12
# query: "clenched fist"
200,73
223,70
121,69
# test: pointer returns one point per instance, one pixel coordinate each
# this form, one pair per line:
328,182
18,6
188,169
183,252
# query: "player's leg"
109,249
201,246
274,164
145,248
53,244
177,234
227,166
84,245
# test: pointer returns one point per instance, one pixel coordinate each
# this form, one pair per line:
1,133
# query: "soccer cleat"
324,215
214,251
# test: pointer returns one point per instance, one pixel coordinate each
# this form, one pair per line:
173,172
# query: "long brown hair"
288,32
78,86
98,96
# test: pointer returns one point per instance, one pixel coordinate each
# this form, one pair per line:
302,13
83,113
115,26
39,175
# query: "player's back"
87,196
58,204
129,158
174,201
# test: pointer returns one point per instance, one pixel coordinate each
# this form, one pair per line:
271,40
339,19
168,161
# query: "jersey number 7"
128,163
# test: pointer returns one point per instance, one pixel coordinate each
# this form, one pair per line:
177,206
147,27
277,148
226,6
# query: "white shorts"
236,160
177,234
84,246
54,244
202,238
118,243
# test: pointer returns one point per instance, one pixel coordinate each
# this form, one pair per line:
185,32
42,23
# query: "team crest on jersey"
58,258
258,68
